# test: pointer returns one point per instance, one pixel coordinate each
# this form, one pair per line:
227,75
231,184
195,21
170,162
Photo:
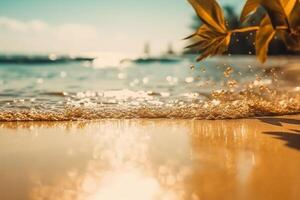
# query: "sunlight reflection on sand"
149,159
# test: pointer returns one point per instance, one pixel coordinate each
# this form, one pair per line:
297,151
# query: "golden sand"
151,159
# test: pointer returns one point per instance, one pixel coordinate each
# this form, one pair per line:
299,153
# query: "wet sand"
151,159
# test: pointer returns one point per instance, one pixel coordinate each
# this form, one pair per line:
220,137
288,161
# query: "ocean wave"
181,90
115,105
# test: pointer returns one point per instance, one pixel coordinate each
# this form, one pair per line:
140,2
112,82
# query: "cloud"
19,26
39,36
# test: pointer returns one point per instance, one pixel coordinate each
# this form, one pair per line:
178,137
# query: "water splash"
153,91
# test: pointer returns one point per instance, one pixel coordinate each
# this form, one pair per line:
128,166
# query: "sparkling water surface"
150,89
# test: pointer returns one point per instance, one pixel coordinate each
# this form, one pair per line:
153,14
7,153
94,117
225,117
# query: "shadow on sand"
292,137
279,121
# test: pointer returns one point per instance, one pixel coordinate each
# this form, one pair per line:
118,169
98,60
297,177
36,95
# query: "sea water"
218,88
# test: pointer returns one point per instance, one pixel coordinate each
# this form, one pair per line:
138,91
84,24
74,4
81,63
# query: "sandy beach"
151,159
176,100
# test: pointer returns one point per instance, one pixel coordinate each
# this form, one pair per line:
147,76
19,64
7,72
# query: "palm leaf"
288,6
279,12
294,16
209,42
292,38
264,36
215,47
212,37
210,13
276,12
250,7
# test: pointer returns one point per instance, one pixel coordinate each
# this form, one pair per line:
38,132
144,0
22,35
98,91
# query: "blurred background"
115,26
65,26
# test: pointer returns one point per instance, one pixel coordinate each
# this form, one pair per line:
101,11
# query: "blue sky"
93,25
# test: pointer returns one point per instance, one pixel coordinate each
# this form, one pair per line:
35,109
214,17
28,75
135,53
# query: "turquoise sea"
168,87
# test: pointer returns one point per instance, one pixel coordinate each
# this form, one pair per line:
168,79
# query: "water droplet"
228,72
232,83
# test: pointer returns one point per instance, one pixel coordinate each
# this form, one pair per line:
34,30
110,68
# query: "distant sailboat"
167,57
170,50
147,49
